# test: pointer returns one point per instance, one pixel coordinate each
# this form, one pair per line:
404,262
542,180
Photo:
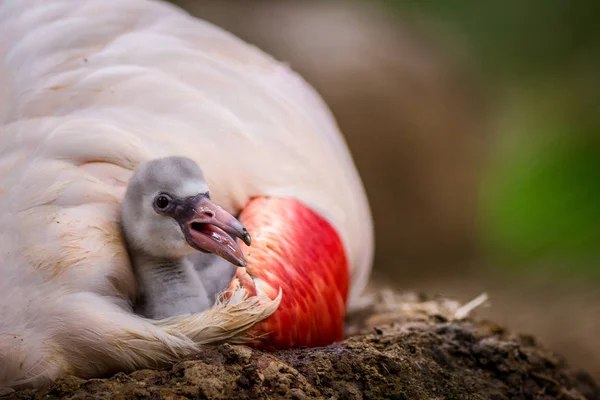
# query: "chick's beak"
210,229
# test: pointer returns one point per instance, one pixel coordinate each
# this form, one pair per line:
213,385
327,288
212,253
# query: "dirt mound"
425,354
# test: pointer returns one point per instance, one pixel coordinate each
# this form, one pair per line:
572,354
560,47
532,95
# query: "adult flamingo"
89,90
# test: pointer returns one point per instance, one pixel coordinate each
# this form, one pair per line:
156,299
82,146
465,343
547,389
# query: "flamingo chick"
167,215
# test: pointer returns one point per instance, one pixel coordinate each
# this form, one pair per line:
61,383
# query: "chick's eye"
162,202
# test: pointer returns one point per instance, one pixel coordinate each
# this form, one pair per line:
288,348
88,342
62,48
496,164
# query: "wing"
91,88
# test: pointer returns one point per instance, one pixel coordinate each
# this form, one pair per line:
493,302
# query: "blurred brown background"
437,119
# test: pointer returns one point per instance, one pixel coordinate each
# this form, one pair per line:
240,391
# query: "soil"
417,349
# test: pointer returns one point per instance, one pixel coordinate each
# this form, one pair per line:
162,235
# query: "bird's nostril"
208,214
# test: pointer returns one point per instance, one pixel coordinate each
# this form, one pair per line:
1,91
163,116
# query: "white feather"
88,90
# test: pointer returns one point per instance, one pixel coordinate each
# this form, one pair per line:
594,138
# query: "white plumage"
88,90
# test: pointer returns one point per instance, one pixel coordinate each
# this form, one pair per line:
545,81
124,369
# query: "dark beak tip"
246,237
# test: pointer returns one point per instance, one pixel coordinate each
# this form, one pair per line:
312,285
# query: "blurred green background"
541,188
475,126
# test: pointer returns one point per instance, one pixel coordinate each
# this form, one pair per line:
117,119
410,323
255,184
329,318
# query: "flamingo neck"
168,287
298,251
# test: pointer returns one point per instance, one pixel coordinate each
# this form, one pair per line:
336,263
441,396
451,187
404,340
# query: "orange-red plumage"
297,250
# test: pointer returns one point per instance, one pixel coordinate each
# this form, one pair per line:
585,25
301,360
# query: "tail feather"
228,320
